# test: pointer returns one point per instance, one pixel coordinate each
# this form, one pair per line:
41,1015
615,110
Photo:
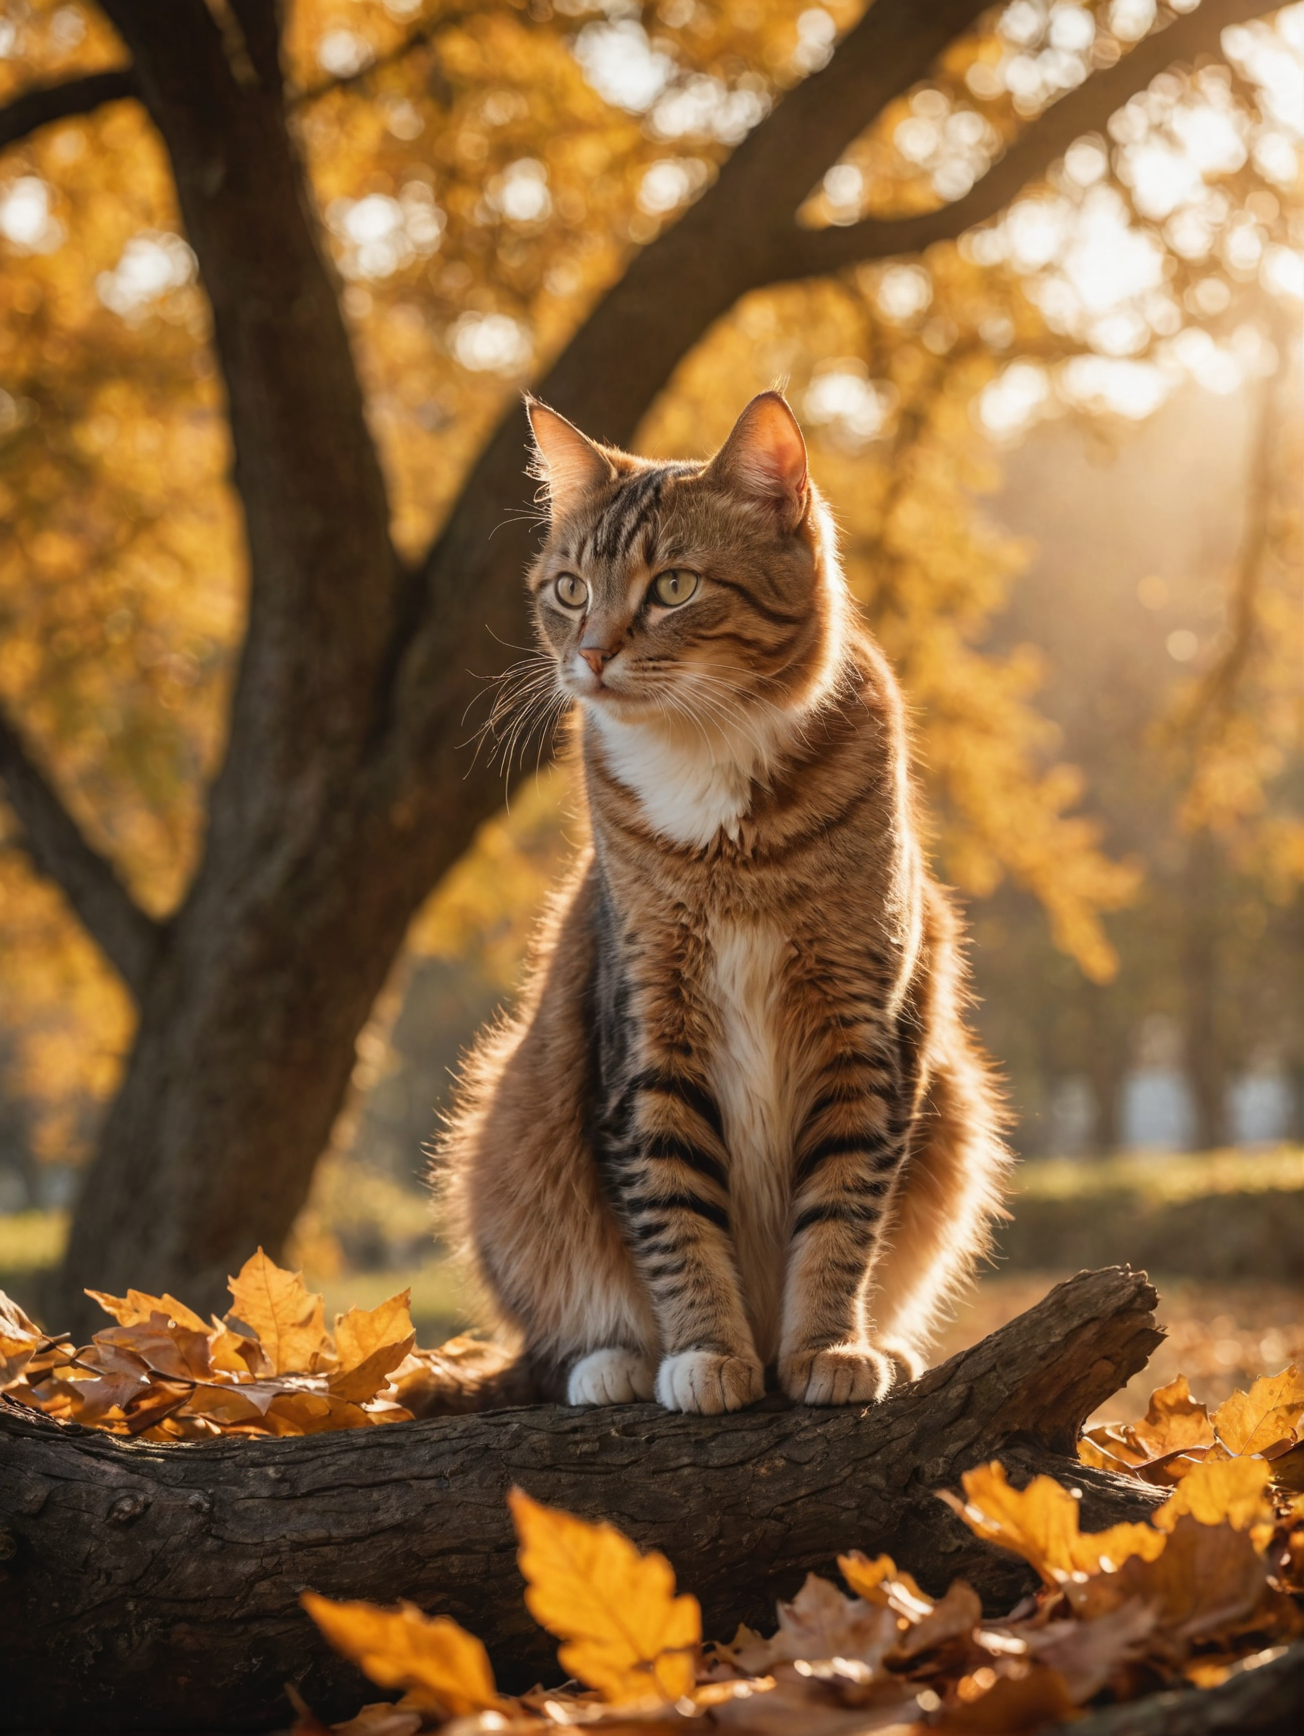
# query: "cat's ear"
765,458
566,461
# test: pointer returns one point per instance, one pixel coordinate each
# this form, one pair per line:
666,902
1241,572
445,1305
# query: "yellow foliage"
287,1318
1270,1413
370,1343
439,1664
1040,1523
625,1632
1231,1491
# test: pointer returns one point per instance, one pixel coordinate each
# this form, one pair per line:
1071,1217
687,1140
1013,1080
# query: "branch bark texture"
156,1587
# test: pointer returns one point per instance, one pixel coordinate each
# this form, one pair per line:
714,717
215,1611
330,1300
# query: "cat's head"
685,590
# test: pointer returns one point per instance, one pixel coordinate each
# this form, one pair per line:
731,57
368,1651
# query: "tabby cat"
737,1123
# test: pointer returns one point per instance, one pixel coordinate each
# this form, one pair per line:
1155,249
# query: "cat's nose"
597,656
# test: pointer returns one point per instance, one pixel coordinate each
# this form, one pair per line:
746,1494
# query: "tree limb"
44,103
813,252
130,939
156,1586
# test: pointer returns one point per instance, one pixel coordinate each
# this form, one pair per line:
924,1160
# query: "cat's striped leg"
847,1161
671,1181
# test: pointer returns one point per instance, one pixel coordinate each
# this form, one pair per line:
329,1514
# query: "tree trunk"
1206,1066
156,1587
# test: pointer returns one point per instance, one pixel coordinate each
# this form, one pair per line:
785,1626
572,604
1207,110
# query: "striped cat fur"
737,1123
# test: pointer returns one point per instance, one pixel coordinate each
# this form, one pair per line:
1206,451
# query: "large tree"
342,796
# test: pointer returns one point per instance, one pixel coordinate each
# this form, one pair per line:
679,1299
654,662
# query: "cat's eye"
674,587
571,591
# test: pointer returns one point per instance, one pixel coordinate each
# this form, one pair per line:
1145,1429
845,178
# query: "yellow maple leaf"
625,1632
443,1668
287,1318
1269,1413
136,1307
1234,1490
370,1343
1040,1523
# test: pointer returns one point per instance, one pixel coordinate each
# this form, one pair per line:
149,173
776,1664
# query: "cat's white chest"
752,1082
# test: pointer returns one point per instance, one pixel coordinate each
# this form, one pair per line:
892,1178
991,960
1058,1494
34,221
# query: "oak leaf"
371,1343
442,1667
1268,1415
1040,1523
286,1317
625,1632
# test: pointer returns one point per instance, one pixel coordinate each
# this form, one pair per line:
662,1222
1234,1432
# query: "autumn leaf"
1174,1423
20,1338
136,1307
1227,1490
821,1623
1040,1523
443,1668
1266,1416
880,1581
1012,1705
624,1630
285,1315
1209,1582
371,1343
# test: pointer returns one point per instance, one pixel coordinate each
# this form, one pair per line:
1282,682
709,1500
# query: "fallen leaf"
443,1668
1234,1490
371,1343
1267,1415
880,1581
1040,1523
1088,1653
821,1623
176,1352
626,1633
285,1315
20,1338
953,1617
136,1306
1174,1423
1013,1705
1209,1580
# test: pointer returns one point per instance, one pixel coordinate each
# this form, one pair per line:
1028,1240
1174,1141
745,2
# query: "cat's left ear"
566,460
765,458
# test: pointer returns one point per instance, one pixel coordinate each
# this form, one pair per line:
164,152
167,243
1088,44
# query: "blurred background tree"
273,279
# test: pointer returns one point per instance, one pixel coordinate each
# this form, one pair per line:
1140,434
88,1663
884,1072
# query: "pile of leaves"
269,1368
1211,1584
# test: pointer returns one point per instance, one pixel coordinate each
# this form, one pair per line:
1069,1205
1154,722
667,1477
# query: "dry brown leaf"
821,1623
284,1314
441,1666
370,1344
953,1617
1266,1416
1087,1654
175,1352
625,1632
1040,1523
20,1339
1209,1582
1013,1705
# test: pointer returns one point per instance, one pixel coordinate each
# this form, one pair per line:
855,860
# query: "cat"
737,1122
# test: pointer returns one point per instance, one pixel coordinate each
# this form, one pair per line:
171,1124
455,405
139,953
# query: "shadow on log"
155,1587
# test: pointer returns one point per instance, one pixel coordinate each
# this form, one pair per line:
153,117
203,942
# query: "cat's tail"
466,1374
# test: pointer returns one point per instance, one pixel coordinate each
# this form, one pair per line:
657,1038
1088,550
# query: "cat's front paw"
707,1382
613,1376
839,1374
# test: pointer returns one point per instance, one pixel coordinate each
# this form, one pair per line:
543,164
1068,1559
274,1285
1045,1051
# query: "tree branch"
129,938
813,252
56,102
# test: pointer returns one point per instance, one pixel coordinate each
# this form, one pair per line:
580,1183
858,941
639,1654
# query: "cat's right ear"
565,461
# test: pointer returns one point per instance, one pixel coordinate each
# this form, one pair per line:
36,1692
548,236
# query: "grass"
1163,1176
